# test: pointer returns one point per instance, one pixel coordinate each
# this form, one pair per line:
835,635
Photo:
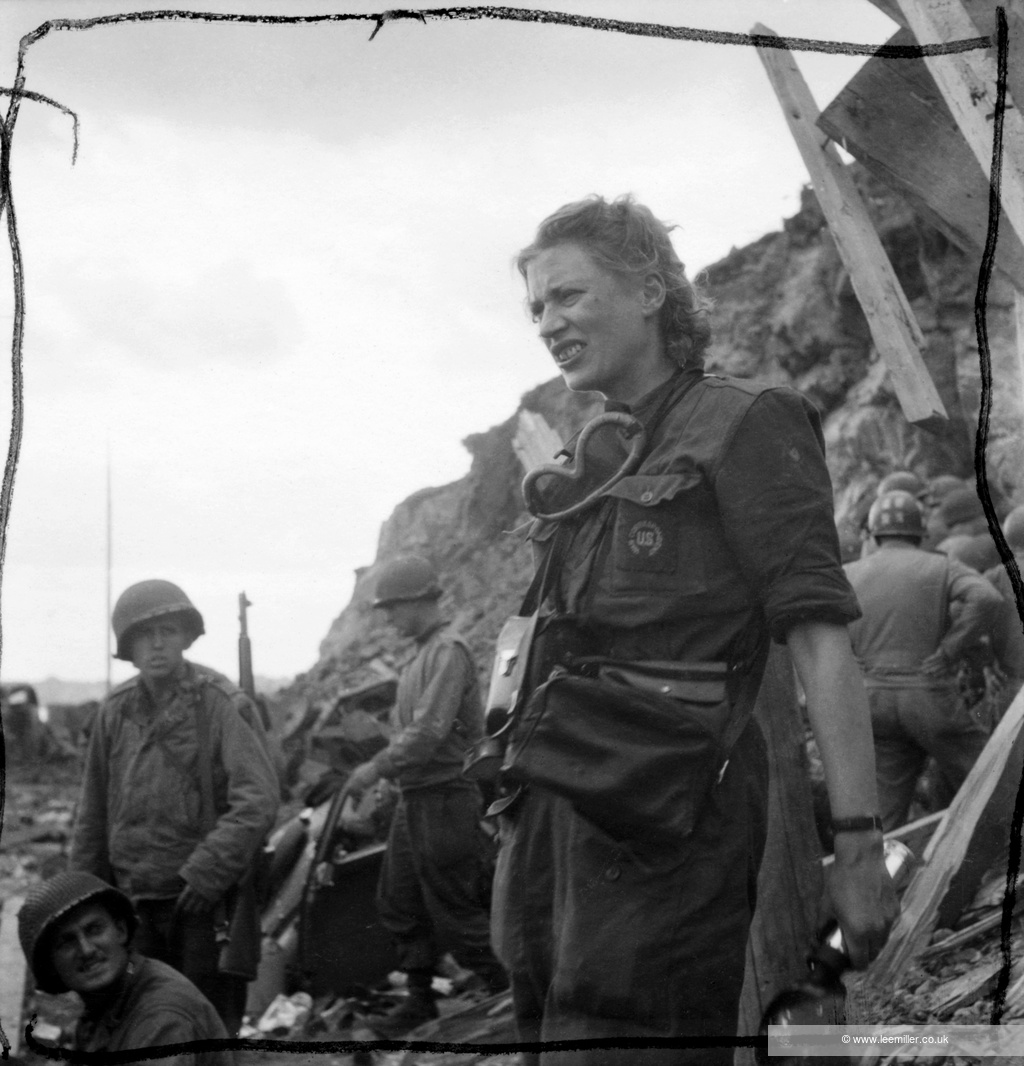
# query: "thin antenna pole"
110,556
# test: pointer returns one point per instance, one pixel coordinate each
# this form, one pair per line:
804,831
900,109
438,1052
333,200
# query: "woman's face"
601,328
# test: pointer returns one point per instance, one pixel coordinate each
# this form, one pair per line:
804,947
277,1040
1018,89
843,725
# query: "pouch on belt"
636,748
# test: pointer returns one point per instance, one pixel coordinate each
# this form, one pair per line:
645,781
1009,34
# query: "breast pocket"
656,543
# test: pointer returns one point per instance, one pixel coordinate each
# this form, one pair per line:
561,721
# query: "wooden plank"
790,883
893,326
987,840
982,12
963,936
948,847
967,988
534,442
892,9
891,117
967,82
12,973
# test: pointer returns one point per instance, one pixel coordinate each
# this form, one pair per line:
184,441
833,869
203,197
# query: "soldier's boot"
418,1007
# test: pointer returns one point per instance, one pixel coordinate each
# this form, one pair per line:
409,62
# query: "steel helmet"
896,514
960,505
48,902
940,487
145,601
407,578
903,481
1013,529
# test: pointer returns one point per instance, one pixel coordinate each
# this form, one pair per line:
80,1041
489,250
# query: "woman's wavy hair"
625,238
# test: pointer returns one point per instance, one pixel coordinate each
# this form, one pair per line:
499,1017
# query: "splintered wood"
893,119
535,442
968,84
894,328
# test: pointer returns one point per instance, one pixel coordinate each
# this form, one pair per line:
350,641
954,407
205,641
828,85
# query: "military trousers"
605,939
909,724
189,944
432,895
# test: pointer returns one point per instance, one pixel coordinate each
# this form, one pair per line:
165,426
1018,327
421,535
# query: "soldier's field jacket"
141,823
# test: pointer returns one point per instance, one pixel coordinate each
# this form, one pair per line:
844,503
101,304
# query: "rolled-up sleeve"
775,498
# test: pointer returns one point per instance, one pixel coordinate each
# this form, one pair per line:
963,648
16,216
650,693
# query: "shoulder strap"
207,807
686,377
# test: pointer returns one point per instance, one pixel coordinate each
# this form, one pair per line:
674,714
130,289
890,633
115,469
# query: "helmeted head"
1013,529
407,591
941,486
69,904
959,506
148,600
407,578
896,514
902,480
625,239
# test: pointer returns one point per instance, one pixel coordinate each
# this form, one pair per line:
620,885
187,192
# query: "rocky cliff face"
785,312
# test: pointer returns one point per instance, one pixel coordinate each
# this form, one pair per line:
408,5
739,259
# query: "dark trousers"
909,724
433,887
604,940
189,944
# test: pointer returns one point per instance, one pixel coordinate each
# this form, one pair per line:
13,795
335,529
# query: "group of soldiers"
681,533
154,923
939,641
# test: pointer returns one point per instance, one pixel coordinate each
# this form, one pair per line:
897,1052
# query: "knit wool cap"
961,505
50,901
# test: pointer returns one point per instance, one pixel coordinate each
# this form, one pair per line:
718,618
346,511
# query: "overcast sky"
276,286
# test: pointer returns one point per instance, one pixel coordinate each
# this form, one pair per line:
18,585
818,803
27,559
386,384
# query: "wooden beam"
964,936
894,328
893,120
995,767
892,9
967,988
982,12
967,82
534,441
12,973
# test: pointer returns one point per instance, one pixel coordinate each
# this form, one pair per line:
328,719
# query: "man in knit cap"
77,933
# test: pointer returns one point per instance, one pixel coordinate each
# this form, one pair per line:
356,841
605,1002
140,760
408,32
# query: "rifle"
245,678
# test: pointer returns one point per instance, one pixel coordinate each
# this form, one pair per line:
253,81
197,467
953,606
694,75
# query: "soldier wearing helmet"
78,935
967,538
920,611
431,895
178,794
1008,641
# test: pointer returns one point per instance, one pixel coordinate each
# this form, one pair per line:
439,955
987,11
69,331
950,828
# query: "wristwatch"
856,824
